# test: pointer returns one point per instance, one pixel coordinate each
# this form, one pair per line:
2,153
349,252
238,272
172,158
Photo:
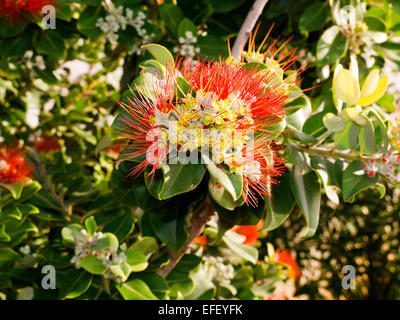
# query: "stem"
196,225
45,181
332,153
247,27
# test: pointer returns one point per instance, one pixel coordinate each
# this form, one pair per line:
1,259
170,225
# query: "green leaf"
168,223
188,263
387,102
121,226
222,196
160,53
297,100
179,178
16,47
186,25
87,21
172,16
137,260
246,252
69,233
14,188
109,240
180,282
375,24
314,17
7,255
281,203
93,265
184,88
12,29
136,290
49,42
331,46
64,11
333,123
232,183
91,226
146,245
381,189
367,139
355,180
158,285
306,189
212,47
30,188
122,270
11,211
3,234
76,282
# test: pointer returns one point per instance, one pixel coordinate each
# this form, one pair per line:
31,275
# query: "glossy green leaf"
160,53
248,253
314,17
355,180
76,282
171,15
281,203
306,189
136,290
14,188
179,178
136,259
93,265
121,226
91,226
331,46
232,183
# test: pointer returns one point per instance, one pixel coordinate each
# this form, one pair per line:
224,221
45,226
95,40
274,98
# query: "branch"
247,27
196,225
332,153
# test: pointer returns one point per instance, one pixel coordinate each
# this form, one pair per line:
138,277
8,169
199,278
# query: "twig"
196,225
332,153
247,27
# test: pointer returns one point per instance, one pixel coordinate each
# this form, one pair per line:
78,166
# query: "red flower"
13,166
277,58
229,99
17,10
250,232
202,240
46,144
284,257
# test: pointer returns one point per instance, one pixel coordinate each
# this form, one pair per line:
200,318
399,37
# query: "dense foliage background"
59,93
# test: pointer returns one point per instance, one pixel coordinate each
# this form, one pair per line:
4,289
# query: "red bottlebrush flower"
19,10
229,105
46,144
277,58
13,166
284,257
250,232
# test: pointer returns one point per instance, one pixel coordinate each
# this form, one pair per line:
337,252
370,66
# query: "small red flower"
371,173
201,240
284,257
46,144
13,166
18,10
250,232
